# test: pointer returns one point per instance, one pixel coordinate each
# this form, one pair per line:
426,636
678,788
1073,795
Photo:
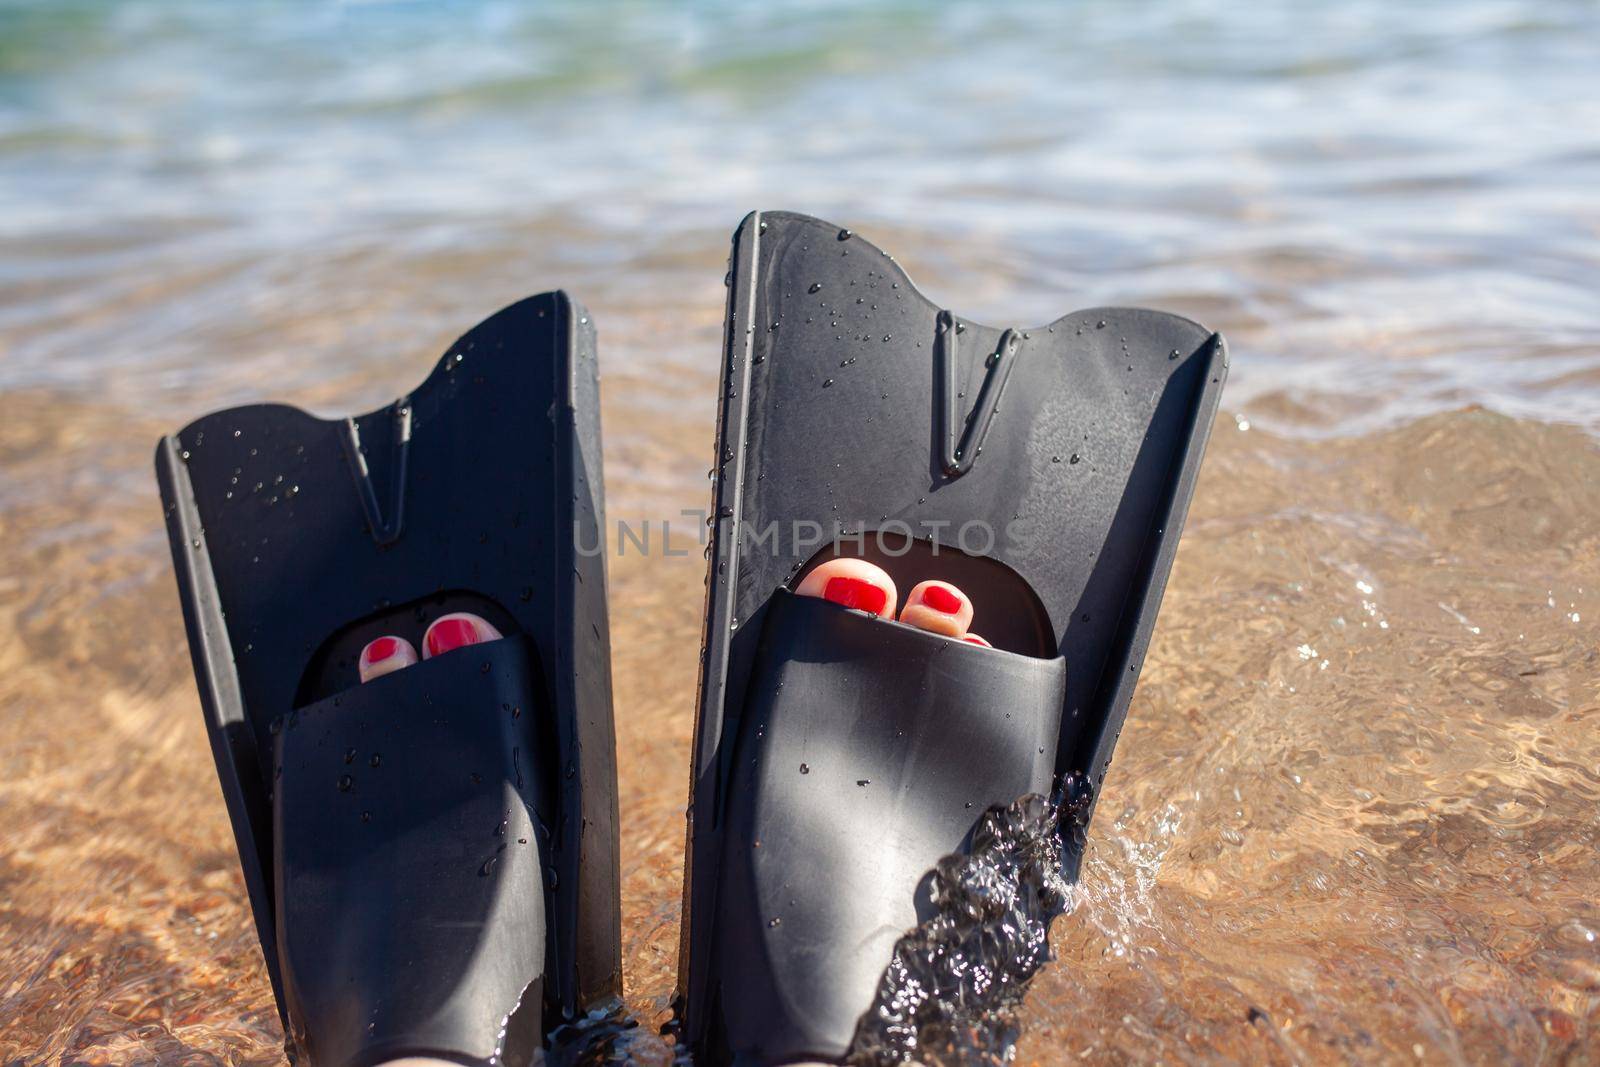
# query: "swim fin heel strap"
431,857
1046,471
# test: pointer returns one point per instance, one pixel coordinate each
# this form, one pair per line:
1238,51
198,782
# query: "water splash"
604,1035
610,1035
951,993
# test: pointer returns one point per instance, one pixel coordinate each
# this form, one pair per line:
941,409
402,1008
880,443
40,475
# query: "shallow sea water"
1355,812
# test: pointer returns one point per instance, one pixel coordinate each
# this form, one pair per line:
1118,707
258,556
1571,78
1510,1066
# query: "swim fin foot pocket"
431,857
838,757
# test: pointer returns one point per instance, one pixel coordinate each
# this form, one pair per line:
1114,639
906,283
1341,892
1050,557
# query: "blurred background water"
1354,815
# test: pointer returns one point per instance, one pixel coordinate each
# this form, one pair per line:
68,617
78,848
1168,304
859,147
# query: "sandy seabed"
1353,815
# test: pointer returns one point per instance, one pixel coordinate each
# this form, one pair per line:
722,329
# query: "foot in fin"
403,660
1036,477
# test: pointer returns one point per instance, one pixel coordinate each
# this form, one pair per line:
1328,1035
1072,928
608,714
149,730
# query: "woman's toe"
384,656
456,630
974,639
855,583
939,607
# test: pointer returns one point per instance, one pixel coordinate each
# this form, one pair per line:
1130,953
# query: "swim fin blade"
837,757
431,857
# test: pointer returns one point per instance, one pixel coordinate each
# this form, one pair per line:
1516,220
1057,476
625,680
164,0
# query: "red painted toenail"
381,649
450,634
939,598
974,639
855,593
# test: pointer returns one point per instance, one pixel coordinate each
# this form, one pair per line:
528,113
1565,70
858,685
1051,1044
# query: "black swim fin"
432,856
838,757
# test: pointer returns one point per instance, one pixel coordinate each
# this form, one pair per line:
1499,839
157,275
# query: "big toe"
938,607
854,583
456,630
